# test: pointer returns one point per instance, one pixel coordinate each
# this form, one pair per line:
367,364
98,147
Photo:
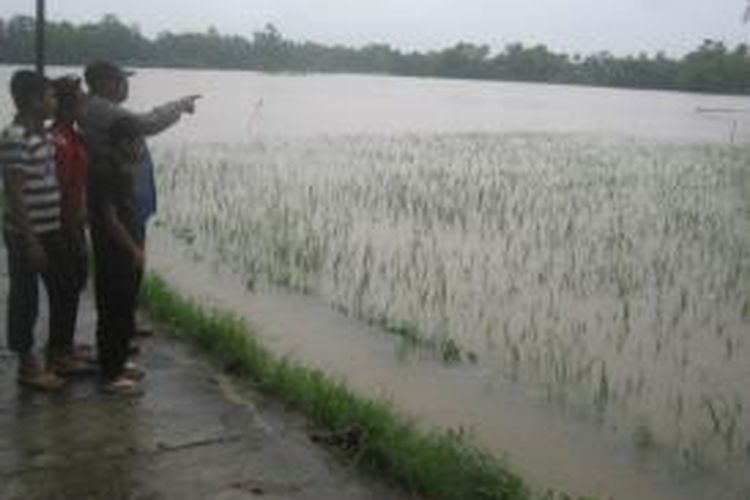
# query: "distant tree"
712,67
270,51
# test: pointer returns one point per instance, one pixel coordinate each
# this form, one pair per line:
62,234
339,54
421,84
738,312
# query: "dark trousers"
115,283
140,239
74,240
23,295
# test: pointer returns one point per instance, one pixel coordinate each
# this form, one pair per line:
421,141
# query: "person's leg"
104,308
63,293
21,317
113,283
22,306
74,241
139,332
123,311
121,378
128,302
80,262
79,254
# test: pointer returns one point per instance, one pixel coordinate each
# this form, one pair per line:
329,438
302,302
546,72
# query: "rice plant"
612,272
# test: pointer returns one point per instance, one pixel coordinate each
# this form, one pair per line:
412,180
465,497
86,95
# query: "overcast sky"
620,26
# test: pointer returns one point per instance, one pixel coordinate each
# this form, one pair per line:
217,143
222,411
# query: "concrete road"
195,434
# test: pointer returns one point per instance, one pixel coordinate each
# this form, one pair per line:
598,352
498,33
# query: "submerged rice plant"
612,273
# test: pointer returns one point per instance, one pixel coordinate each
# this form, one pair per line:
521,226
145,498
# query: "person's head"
70,98
107,80
126,142
32,94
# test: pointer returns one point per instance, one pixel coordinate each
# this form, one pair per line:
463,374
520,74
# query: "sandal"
31,375
67,366
122,386
82,352
133,372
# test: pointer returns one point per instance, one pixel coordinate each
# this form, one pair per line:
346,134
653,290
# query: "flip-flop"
82,352
70,366
41,381
122,386
133,371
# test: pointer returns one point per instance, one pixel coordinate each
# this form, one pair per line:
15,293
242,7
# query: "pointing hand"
188,103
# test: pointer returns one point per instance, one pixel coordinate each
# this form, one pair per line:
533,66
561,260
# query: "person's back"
114,182
95,123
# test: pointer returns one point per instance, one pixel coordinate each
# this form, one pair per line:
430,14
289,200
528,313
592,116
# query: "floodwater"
240,106
548,446
589,247
606,281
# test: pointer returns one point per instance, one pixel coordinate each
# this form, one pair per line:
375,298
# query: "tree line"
711,67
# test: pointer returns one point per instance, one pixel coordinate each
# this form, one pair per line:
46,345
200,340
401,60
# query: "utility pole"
40,23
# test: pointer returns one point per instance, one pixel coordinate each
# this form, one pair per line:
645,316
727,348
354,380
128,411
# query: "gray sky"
620,26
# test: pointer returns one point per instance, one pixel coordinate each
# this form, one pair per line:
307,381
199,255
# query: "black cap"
104,70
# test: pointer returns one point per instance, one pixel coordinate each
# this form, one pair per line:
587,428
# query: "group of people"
78,180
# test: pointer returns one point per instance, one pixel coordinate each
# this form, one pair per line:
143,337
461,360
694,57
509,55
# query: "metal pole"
40,23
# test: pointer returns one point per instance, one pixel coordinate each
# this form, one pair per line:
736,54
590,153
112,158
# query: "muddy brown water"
630,323
547,446
241,105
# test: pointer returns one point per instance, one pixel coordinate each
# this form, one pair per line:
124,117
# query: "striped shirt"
33,155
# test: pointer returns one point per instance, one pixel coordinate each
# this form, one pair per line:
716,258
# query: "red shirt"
72,163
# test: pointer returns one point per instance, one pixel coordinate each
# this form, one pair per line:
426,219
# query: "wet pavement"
195,434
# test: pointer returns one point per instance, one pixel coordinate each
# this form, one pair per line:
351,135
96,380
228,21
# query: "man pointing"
108,90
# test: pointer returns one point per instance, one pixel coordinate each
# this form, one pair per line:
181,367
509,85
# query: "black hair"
27,87
68,92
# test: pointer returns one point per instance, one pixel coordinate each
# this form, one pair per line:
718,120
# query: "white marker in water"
252,117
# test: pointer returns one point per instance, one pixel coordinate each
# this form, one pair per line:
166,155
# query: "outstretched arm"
163,117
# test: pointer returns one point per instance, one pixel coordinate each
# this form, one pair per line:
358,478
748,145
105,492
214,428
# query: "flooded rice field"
607,278
563,272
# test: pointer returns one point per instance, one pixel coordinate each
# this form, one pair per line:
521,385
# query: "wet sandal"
69,366
82,352
122,386
40,380
133,371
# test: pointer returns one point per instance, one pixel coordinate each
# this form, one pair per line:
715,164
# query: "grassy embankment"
439,465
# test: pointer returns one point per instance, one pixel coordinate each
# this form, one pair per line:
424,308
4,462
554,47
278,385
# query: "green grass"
431,464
